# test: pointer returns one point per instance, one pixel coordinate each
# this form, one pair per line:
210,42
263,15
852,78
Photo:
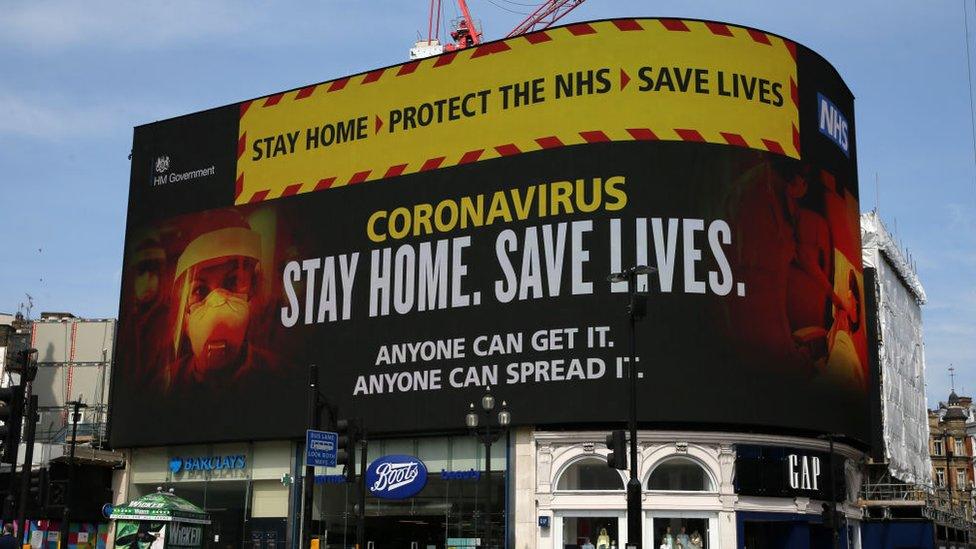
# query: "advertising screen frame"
198,171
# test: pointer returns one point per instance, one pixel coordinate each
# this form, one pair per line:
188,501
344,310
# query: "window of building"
679,474
590,532
937,444
961,479
680,532
940,477
590,474
960,447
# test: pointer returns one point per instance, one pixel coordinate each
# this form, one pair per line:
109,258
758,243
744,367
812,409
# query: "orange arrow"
379,124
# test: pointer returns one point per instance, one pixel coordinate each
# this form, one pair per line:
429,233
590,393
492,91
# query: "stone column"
727,531
523,506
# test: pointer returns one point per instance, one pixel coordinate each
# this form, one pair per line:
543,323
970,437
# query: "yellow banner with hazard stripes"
619,80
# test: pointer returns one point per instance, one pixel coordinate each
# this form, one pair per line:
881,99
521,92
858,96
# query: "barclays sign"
206,463
396,477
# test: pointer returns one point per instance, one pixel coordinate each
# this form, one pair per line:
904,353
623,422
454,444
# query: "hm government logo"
162,164
163,176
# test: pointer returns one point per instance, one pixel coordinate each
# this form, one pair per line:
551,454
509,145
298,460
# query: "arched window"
679,474
590,474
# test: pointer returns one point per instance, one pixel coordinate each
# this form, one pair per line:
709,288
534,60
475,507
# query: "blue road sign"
320,448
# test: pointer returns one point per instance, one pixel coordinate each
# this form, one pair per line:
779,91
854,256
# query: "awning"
161,506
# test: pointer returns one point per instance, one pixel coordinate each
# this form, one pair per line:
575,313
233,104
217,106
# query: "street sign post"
320,448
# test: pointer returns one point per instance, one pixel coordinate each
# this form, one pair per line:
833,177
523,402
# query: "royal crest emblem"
162,164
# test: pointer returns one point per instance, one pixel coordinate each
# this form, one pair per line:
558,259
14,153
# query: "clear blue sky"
75,77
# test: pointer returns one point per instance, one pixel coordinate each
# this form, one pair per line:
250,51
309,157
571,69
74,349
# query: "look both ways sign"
320,448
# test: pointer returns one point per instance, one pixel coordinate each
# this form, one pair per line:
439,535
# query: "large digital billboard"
423,231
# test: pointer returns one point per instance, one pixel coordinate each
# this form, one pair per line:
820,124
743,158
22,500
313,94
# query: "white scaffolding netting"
901,352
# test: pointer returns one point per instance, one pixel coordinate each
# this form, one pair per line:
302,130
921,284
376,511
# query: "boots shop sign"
396,477
787,472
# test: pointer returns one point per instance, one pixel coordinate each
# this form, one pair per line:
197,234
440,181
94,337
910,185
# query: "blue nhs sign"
832,123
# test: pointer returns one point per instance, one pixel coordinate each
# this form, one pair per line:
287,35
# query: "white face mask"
216,328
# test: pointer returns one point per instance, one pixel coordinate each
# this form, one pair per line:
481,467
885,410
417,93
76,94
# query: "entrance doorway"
405,530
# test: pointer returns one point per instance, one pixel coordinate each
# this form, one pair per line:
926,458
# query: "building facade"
549,489
293,262
952,451
74,357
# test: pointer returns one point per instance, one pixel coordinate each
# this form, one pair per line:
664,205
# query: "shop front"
701,490
238,485
786,495
586,500
431,491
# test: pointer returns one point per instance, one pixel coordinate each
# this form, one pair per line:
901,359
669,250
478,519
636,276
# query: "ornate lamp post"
487,434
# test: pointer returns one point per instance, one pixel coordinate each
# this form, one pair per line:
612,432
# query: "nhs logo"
832,123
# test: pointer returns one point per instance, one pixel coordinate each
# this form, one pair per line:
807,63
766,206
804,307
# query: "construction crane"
544,16
465,33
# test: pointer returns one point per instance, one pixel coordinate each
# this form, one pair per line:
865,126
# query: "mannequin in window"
696,540
603,541
684,542
668,539
587,544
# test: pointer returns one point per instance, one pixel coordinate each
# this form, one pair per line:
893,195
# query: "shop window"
687,533
679,474
590,474
590,533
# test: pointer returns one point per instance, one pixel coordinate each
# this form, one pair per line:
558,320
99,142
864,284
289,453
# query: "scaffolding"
74,362
893,500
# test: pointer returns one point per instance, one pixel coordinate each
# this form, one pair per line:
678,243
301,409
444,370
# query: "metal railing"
937,504
52,430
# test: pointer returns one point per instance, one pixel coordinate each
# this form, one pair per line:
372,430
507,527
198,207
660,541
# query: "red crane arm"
544,16
466,13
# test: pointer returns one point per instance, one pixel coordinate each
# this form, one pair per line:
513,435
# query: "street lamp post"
66,516
487,436
636,310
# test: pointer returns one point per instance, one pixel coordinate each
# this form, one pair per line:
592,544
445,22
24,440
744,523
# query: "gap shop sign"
396,477
788,472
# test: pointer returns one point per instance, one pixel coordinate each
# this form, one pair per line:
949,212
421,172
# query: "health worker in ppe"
216,282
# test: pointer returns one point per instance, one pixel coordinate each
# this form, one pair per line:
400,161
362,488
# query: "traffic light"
346,447
36,488
11,418
57,495
617,443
